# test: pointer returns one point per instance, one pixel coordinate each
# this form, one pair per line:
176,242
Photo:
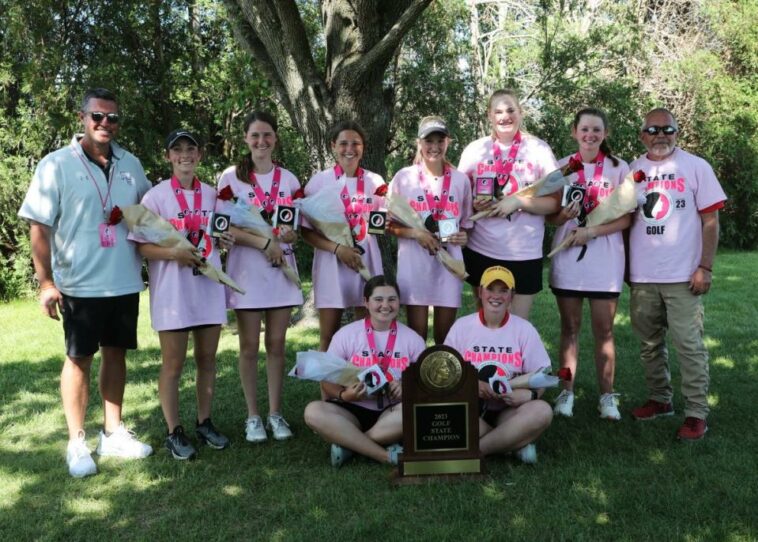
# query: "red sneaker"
692,429
653,409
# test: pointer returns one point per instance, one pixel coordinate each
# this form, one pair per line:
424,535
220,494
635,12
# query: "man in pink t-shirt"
673,242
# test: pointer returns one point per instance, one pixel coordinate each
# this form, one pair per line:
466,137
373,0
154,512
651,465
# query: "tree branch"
381,53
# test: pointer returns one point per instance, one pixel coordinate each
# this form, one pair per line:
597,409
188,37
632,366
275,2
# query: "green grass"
595,480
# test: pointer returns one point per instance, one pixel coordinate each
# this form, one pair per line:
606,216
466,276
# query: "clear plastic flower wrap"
155,229
248,218
549,184
402,212
326,213
622,201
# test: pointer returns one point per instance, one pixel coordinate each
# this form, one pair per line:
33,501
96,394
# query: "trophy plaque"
440,417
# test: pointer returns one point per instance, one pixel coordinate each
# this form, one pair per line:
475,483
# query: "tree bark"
361,38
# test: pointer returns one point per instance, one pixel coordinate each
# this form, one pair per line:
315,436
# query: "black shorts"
489,416
559,292
528,273
92,322
190,328
366,417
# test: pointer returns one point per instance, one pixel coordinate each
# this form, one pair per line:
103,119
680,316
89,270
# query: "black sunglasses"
99,116
655,130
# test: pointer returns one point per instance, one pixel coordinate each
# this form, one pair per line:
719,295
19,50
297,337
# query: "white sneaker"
527,454
609,406
122,443
254,430
564,404
78,457
279,427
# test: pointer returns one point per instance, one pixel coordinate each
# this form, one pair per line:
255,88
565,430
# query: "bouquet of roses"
541,378
326,212
549,184
248,218
402,211
322,366
623,200
147,225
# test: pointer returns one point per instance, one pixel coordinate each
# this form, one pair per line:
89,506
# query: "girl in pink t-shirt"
514,159
254,264
593,267
349,418
440,193
336,282
182,300
510,421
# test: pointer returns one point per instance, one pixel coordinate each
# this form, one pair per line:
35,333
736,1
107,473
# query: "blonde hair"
506,93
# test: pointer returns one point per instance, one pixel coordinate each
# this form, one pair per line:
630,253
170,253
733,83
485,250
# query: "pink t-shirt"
422,279
350,343
265,286
666,236
516,345
519,238
335,285
179,299
602,267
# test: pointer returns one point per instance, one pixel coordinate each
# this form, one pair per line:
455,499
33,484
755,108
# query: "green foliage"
174,63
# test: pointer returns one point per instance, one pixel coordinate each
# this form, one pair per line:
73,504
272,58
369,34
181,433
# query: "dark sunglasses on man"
99,116
655,130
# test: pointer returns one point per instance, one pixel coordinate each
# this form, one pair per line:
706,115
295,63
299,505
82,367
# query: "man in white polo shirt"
673,242
89,271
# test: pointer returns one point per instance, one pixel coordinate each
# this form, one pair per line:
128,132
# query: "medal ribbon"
353,206
191,221
436,207
386,355
108,181
589,203
505,167
267,200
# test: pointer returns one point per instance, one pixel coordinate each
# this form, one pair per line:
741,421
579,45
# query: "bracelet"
706,268
268,242
336,247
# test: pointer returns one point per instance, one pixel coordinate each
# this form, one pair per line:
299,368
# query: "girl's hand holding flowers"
273,253
427,240
189,257
580,236
287,235
226,241
459,239
351,257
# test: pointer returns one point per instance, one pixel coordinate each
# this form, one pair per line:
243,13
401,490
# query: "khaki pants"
655,309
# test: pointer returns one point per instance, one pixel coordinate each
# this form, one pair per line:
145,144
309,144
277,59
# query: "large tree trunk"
360,38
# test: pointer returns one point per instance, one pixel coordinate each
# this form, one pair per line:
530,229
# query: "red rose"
299,194
574,165
639,176
115,216
226,194
381,191
564,373
275,231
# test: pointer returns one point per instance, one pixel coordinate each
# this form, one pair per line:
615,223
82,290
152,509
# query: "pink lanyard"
267,200
590,201
103,200
191,221
352,210
505,168
386,356
436,207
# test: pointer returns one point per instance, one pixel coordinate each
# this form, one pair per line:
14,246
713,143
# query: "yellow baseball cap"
497,272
